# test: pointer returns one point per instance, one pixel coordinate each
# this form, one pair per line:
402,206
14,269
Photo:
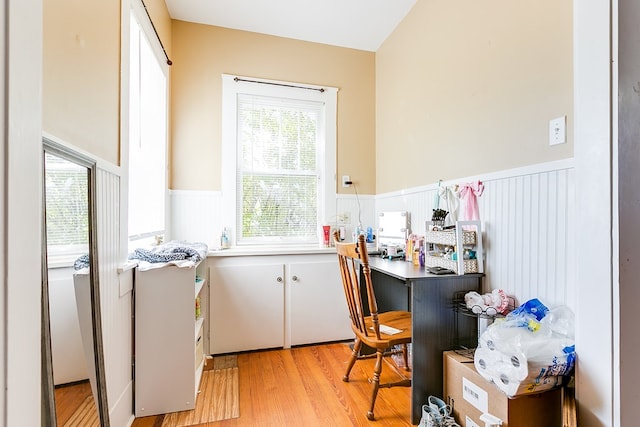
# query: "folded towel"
171,251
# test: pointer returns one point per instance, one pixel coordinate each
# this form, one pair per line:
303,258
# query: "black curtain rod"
238,79
155,31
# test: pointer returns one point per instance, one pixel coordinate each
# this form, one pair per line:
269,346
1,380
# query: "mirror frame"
48,393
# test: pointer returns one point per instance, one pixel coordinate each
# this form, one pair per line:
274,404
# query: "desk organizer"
459,237
470,265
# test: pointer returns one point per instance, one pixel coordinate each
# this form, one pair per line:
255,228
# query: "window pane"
278,171
67,216
147,138
279,206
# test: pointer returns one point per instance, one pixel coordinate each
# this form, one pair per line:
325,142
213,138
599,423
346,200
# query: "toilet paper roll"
528,386
492,363
509,339
486,361
521,366
518,367
513,378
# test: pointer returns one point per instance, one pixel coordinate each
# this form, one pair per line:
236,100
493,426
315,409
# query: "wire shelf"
460,306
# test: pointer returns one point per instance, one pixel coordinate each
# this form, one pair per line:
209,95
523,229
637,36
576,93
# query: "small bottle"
224,239
409,254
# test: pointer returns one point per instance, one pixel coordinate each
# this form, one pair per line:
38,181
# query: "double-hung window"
278,161
67,214
148,93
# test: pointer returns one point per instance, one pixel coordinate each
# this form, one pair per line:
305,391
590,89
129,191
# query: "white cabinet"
66,329
247,306
276,301
317,308
169,338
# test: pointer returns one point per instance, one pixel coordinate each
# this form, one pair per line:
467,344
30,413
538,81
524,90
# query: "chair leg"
357,344
405,357
375,382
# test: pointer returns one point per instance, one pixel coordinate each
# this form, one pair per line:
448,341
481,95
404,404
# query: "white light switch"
557,131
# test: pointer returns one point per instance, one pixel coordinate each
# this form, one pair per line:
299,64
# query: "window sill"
270,250
61,261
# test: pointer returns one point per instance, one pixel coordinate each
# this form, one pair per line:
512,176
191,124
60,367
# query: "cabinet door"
247,307
317,307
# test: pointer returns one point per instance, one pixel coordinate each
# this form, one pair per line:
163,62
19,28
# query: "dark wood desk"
400,285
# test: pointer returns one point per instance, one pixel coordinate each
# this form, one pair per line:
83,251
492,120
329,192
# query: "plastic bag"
529,350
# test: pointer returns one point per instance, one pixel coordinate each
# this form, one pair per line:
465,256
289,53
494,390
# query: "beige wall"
467,87
202,53
162,22
470,83
81,69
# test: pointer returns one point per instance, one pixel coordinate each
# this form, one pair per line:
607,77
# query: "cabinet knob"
279,279
294,278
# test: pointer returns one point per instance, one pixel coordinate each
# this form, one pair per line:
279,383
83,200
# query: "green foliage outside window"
67,204
278,170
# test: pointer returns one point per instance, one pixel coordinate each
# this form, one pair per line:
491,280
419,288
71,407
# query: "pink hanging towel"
469,194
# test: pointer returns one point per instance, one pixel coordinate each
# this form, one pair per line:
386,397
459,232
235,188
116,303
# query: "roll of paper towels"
515,374
527,386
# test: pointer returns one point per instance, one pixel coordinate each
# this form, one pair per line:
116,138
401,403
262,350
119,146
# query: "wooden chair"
366,328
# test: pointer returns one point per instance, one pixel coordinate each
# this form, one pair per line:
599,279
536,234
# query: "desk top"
405,270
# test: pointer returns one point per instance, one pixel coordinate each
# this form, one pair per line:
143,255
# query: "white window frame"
59,256
137,9
232,86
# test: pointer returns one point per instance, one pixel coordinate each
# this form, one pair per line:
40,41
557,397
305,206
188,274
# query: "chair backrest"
352,257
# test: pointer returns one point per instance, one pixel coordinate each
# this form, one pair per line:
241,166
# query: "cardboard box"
470,395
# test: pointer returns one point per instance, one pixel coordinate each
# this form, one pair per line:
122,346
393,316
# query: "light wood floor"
69,398
303,387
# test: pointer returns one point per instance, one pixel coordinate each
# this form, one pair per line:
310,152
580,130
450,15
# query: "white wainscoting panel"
528,230
69,363
358,208
116,310
196,216
529,235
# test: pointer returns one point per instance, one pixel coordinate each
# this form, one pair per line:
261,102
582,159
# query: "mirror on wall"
73,379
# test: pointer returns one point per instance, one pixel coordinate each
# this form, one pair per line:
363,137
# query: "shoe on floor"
439,407
430,417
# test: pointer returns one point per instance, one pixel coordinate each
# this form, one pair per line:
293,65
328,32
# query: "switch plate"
558,130
346,178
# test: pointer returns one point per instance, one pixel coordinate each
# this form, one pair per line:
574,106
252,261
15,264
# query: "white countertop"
270,250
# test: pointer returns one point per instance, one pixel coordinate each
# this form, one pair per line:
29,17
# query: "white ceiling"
358,24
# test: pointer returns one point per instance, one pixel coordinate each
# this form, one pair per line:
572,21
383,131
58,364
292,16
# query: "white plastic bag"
530,350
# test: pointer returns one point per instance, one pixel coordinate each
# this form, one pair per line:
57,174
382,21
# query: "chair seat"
396,319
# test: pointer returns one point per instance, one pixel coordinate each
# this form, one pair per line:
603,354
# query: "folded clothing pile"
530,350
171,251
179,253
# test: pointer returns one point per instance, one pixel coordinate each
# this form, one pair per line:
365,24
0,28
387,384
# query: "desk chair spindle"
367,327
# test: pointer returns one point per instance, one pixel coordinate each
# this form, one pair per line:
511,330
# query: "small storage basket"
470,265
448,237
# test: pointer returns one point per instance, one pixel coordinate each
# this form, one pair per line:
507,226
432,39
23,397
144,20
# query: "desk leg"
434,332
